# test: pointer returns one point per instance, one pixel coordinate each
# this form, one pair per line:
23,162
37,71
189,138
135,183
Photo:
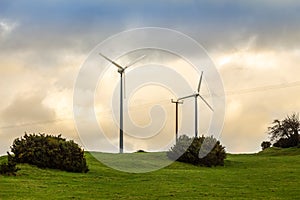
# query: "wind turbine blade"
199,85
206,102
193,95
111,61
135,61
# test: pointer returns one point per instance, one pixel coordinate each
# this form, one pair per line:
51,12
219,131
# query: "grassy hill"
271,174
275,151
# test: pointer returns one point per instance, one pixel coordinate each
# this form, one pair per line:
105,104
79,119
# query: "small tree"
265,144
205,151
285,133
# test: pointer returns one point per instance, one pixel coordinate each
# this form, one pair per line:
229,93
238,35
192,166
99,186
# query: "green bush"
204,151
46,151
265,144
292,141
9,167
141,151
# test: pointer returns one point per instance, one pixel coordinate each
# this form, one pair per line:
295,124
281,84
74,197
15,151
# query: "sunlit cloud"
254,44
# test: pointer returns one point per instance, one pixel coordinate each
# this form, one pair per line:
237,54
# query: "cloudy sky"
254,45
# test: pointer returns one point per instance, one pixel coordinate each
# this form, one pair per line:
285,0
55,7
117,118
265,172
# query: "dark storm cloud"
82,24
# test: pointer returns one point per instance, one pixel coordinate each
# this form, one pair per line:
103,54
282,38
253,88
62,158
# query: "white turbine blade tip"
135,61
200,81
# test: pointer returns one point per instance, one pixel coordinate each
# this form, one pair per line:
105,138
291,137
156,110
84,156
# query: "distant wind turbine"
196,95
176,119
121,70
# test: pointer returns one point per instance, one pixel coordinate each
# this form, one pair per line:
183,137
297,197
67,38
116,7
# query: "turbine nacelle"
197,93
121,70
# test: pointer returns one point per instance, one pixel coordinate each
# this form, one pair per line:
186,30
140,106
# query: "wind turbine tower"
121,71
196,95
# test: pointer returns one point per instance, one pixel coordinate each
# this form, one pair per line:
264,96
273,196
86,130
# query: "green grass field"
272,174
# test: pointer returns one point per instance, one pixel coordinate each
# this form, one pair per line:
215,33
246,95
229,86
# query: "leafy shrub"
46,151
141,151
204,151
287,142
265,144
9,168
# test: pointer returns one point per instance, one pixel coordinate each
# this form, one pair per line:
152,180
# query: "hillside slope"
253,176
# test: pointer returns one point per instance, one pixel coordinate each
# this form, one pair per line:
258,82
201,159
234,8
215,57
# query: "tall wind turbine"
121,71
176,119
196,95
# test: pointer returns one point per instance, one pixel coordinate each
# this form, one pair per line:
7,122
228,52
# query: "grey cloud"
27,109
213,23
47,33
